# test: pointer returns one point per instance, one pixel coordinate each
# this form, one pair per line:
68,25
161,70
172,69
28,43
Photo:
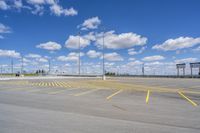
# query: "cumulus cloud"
93,54
18,4
132,51
73,56
33,55
186,60
4,5
178,43
4,28
73,41
131,59
91,23
153,58
38,7
9,53
135,63
38,10
120,41
43,60
51,46
58,10
113,57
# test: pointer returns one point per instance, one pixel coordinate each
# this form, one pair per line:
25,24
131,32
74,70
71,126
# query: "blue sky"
157,33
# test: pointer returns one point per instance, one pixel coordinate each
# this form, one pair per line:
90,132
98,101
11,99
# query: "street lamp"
22,65
79,56
103,64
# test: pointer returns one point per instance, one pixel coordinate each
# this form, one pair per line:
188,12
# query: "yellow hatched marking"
63,84
60,84
49,84
189,100
40,84
109,97
52,84
45,84
56,83
86,92
147,97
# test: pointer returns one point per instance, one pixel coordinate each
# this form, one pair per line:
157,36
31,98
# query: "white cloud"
132,51
33,55
38,7
135,63
153,58
91,23
131,59
51,46
9,53
120,41
73,42
186,60
18,4
44,60
178,43
38,10
3,5
36,1
70,57
70,12
58,10
113,57
93,54
4,29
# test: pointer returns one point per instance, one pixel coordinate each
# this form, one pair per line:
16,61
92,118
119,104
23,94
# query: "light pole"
143,69
49,66
22,67
103,64
1,71
12,66
79,56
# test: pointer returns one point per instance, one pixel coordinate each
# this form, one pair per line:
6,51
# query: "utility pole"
103,67
22,65
12,65
79,56
1,71
143,69
49,65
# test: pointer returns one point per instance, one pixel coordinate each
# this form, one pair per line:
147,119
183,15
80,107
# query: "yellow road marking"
40,83
109,97
59,85
147,97
52,83
56,83
86,92
66,84
189,100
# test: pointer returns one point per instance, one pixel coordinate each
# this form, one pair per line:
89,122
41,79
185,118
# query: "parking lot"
91,105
